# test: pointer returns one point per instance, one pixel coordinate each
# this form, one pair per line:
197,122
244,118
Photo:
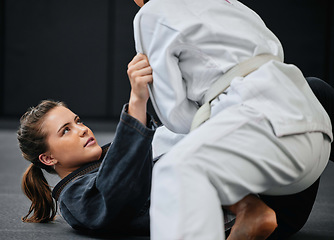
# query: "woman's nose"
83,130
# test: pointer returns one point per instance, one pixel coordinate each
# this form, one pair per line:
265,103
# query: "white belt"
240,70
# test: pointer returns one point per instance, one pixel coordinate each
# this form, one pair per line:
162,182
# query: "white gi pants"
230,156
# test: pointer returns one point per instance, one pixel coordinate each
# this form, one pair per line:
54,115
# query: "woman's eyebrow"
75,118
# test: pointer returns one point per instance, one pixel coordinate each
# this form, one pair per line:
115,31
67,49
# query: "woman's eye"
66,130
79,121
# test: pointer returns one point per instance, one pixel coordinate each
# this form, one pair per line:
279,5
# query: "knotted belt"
240,70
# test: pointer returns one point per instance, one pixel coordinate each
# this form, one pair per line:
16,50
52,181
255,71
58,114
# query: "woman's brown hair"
32,142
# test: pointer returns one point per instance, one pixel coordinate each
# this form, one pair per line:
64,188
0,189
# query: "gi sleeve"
117,192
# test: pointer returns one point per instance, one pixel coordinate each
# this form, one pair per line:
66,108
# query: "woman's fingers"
134,60
138,68
141,80
136,75
140,74
144,71
139,57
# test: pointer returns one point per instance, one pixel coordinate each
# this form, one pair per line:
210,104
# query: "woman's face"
140,3
71,143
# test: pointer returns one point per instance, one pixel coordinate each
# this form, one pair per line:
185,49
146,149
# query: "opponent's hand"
140,74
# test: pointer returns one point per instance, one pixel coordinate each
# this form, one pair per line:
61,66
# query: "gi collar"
79,172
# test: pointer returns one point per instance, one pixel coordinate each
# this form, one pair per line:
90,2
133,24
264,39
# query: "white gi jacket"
190,44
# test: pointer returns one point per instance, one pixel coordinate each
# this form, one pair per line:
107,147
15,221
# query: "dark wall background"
78,50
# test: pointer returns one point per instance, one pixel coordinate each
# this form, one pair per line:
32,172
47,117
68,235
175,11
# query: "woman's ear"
47,159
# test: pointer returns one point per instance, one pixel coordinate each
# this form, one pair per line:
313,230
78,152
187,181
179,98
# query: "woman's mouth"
91,141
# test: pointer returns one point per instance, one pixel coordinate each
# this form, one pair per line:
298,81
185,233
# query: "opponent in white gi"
267,132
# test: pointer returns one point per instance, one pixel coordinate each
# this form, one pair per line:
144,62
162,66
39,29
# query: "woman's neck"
62,173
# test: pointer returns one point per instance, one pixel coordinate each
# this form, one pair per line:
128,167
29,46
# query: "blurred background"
77,51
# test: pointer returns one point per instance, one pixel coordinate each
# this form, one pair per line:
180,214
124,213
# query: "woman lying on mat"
103,189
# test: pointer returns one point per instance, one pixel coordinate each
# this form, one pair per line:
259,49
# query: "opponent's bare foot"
254,219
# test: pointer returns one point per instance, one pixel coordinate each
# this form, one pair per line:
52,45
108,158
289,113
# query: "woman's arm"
115,195
140,75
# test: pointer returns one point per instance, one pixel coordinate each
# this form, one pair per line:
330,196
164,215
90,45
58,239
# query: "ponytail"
32,142
37,189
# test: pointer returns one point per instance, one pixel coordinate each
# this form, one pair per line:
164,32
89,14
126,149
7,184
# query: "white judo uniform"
267,133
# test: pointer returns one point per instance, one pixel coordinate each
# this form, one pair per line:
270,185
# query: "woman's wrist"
137,108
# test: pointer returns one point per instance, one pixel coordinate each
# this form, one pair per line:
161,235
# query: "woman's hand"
140,75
